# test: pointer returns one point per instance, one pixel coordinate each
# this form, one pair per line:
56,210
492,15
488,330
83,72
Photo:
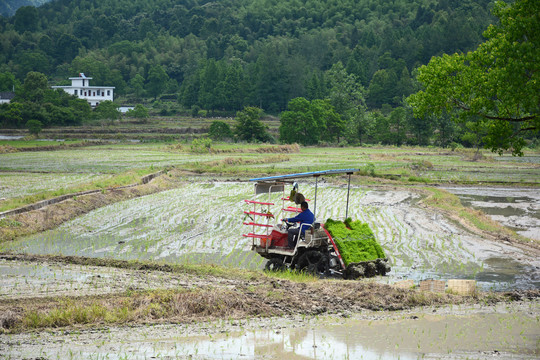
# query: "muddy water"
20,279
505,331
518,209
202,222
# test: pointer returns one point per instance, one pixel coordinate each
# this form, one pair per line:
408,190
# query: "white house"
5,97
80,87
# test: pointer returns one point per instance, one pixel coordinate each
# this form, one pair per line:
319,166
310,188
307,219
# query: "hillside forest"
351,61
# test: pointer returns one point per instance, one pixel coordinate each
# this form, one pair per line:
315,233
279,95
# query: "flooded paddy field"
518,209
97,159
18,184
503,331
22,279
201,222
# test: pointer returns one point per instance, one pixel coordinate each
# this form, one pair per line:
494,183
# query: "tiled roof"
7,95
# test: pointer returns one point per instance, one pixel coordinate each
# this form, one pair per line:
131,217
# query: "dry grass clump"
231,161
287,149
276,149
5,149
176,147
152,306
473,155
8,320
382,157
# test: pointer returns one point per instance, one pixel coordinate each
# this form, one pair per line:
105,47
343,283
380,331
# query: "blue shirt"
305,217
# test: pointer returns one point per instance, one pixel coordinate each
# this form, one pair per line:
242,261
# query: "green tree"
26,19
382,88
156,81
231,90
307,123
346,95
315,87
474,135
270,81
330,124
34,87
249,127
421,129
220,130
498,84
8,81
67,48
11,114
32,60
107,110
446,130
138,112
137,85
210,76
34,126
380,128
298,124
398,124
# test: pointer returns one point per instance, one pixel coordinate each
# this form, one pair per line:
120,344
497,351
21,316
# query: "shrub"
203,145
454,145
422,165
139,112
34,126
367,170
220,130
195,110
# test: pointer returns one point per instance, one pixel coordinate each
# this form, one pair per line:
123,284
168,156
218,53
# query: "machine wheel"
314,262
274,264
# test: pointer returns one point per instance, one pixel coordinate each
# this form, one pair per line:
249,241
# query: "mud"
32,278
503,331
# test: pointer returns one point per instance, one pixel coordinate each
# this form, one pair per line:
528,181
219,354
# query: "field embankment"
204,293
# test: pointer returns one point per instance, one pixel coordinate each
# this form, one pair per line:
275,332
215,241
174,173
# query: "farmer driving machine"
334,248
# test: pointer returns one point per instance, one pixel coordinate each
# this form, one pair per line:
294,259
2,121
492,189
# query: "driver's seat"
315,226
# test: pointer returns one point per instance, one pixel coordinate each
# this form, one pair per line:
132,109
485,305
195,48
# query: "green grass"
36,143
294,276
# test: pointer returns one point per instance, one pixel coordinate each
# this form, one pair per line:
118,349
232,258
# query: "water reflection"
518,209
457,333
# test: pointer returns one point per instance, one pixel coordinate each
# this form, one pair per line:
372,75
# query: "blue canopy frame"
306,174
315,174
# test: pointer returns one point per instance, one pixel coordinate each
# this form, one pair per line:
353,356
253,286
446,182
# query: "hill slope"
229,54
9,7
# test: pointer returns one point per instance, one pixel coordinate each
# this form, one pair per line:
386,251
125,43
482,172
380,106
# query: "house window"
76,92
98,93
94,93
108,92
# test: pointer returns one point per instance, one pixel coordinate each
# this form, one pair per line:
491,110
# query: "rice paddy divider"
41,204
